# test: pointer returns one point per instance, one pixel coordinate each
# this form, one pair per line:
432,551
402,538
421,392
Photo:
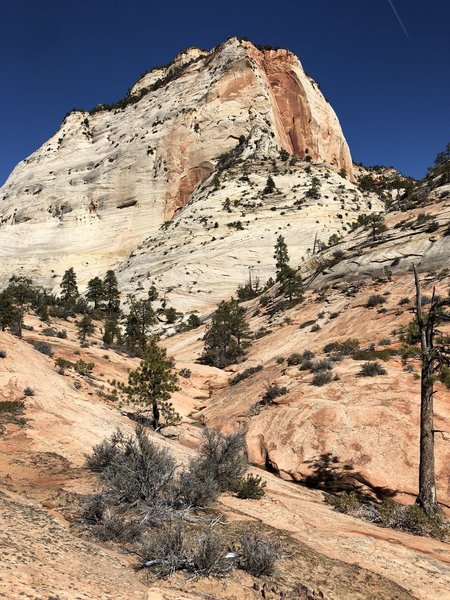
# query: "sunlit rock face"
111,178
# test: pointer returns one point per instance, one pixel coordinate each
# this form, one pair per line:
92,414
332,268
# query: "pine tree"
270,186
69,288
227,336
152,383
138,323
11,316
111,331
85,328
291,282
111,293
95,291
281,257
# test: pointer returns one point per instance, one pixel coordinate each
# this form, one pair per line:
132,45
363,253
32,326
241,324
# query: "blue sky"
388,81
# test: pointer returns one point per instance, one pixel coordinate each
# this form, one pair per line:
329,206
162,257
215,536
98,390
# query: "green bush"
384,355
295,359
250,487
43,347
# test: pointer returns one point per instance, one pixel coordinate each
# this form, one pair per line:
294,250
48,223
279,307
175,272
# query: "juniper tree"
11,316
151,385
227,336
95,291
138,322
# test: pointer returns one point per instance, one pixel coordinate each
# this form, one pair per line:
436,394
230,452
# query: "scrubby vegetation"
245,374
146,503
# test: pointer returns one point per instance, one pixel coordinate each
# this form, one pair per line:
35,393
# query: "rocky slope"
110,178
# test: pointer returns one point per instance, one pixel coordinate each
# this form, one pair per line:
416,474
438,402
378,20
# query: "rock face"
110,178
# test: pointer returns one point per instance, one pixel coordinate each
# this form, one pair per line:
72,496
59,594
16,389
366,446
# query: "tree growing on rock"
69,287
227,336
95,291
138,323
151,385
111,293
291,282
434,358
85,328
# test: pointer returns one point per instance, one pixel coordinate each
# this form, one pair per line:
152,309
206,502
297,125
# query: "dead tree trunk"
427,482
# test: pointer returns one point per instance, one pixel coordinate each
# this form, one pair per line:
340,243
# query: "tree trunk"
155,409
427,482
427,485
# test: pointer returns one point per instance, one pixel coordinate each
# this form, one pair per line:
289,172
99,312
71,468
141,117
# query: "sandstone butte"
140,188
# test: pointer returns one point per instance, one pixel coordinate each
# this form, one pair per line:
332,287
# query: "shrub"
321,365
280,360
29,391
11,406
166,551
245,374
315,327
185,372
258,555
272,392
62,364
43,347
251,487
295,359
385,342
3,354
322,378
371,369
114,526
208,557
375,300
83,368
384,355
404,301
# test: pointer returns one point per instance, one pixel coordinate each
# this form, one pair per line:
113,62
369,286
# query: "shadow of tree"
329,474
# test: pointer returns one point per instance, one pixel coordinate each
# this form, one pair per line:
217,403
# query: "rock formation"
111,177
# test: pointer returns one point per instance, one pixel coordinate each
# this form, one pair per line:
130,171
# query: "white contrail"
398,19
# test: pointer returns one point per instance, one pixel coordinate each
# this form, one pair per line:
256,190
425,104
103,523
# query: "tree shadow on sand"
330,475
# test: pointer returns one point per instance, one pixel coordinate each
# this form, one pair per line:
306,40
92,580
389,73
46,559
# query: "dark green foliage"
95,291
151,384
258,555
444,376
111,293
291,282
171,315
226,338
43,348
372,369
62,364
193,321
3,354
384,355
314,190
111,331
85,328
245,374
29,391
389,513
295,359
138,323
69,288
270,186
375,300
11,406
249,290
11,315
83,368
410,334
250,487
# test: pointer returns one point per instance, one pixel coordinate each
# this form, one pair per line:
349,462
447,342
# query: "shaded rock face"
107,180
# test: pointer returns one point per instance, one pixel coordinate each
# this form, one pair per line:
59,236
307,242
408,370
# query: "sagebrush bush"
29,391
322,378
43,347
321,365
294,359
371,369
258,555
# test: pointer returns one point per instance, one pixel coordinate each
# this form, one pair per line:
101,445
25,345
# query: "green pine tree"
111,331
69,288
111,293
227,336
85,328
138,323
95,291
291,282
150,386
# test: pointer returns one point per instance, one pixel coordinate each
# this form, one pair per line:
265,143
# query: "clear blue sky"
389,82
